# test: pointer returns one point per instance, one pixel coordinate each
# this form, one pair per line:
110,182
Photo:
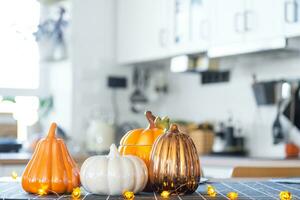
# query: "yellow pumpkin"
139,142
51,168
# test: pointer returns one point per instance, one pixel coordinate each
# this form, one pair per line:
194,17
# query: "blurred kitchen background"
227,71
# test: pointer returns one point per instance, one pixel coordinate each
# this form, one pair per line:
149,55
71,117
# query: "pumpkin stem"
52,130
113,151
174,128
162,123
150,117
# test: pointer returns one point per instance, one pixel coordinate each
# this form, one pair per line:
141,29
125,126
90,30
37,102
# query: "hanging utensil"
277,129
138,98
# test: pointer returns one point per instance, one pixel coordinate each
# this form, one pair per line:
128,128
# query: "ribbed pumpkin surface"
51,168
174,163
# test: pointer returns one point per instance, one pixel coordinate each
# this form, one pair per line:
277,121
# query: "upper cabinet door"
227,26
142,30
291,17
263,20
155,29
246,26
190,25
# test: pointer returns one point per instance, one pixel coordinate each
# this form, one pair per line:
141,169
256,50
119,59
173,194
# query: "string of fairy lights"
129,195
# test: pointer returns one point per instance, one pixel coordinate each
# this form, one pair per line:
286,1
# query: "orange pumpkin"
139,142
51,168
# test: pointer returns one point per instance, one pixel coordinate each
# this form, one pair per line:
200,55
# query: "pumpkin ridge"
196,171
74,167
177,156
161,162
27,172
69,157
57,169
145,172
35,170
67,168
172,155
166,158
109,168
49,164
136,162
154,156
124,164
182,157
107,177
188,157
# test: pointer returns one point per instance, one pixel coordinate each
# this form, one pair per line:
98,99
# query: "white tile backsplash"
190,100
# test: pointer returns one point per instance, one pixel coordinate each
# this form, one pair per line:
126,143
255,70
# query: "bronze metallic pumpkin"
174,163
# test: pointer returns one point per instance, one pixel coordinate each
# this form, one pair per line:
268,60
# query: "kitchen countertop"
231,161
206,160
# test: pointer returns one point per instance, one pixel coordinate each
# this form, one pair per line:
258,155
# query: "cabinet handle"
237,16
247,15
294,6
163,37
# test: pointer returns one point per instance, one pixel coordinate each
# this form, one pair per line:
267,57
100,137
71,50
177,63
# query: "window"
19,61
19,55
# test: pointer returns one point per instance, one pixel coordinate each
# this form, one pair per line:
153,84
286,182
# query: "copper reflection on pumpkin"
174,163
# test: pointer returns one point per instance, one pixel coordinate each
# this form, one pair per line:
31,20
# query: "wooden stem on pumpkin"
52,130
150,117
174,128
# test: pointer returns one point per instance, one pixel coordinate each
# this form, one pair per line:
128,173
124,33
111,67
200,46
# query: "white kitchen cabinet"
156,29
143,31
227,25
262,20
243,26
263,27
191,26
291,17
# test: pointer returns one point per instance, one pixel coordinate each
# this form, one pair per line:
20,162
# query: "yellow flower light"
128,195
233,195
76,193
14,175
165,194
211,191
285,195
42,190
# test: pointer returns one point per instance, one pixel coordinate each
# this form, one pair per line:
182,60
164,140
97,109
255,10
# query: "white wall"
93,59
188,99
60,87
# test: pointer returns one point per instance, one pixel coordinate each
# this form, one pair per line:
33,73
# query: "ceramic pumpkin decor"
139,142
113,174
51,168
174,164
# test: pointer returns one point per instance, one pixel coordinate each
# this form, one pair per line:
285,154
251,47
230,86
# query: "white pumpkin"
113,174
